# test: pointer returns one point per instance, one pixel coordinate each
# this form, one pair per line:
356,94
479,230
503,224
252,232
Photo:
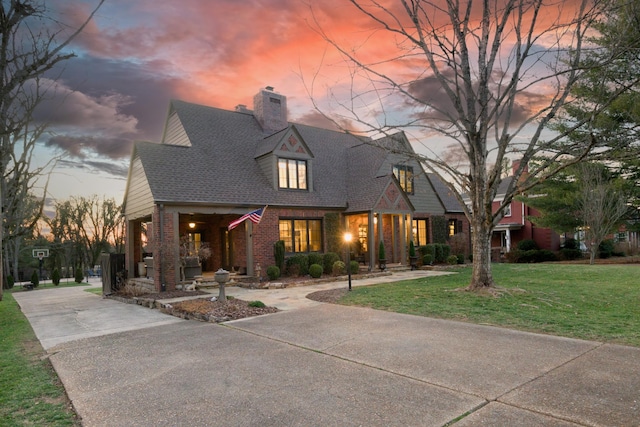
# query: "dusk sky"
136,56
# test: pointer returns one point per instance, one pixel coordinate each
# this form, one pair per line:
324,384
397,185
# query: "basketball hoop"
40,253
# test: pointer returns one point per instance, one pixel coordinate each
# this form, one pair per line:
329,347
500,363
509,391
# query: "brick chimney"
525,171
270,109
515,165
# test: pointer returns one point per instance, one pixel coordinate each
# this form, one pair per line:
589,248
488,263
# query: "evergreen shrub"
338,268
302,261
315,270
273,272
79,277
354,267
328,260
35,280
55,277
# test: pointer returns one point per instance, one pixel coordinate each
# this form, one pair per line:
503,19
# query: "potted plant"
191,257
413,259
382,257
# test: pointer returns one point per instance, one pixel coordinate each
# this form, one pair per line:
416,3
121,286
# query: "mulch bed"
205,310
331,296
170,294
202,309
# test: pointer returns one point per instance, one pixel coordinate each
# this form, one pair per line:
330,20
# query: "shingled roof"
220,166
449,201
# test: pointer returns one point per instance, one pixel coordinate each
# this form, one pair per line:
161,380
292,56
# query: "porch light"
192,225
347,238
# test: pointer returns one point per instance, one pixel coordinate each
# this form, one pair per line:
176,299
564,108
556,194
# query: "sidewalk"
318,364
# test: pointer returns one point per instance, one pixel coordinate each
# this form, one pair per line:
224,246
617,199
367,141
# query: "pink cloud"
217,53
67,109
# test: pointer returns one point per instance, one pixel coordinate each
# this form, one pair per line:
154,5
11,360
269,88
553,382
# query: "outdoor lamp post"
347,238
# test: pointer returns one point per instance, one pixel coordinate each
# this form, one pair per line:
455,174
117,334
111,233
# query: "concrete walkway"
317,364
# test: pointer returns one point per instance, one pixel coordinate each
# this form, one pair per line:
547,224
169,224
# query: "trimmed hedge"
273,272
532,256
328,260
315,270
569,254
301,263
338,268
452,260
354,267
527,245
316,258
439,252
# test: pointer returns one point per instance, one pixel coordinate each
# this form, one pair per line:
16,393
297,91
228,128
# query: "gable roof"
449,201
220,168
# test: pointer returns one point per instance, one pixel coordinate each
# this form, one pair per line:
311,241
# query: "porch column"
249,248
130,248
507,240
371,241
403,240
380,235
174,273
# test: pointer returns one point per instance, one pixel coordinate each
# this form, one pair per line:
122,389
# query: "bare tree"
602,206
488,76
93,225
20,222
31,44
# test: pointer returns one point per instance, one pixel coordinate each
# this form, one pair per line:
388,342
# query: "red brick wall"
267,233
164,265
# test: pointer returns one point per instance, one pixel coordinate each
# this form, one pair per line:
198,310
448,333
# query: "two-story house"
515,226
213,165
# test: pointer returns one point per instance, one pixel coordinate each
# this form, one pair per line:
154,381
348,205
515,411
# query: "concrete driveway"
327,365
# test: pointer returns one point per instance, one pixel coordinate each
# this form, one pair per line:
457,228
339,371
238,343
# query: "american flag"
253,216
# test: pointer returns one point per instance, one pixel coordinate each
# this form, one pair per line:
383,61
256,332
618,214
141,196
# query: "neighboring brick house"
214,165
515,226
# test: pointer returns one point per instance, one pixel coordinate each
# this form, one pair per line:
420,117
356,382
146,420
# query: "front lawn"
593,302
30,392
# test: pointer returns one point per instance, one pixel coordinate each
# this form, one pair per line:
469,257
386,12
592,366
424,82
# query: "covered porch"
176,245
370,228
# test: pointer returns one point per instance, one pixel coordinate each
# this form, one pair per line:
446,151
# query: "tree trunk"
481,277
15,272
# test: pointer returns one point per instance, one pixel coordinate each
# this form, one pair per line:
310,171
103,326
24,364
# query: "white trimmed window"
292,174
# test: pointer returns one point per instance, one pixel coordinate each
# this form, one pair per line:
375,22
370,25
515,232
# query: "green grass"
30,392
64,283
593,302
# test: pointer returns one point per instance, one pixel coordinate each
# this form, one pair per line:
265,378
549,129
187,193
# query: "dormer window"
404,174
292,174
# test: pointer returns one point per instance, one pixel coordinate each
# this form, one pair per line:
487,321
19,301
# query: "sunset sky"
136,56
